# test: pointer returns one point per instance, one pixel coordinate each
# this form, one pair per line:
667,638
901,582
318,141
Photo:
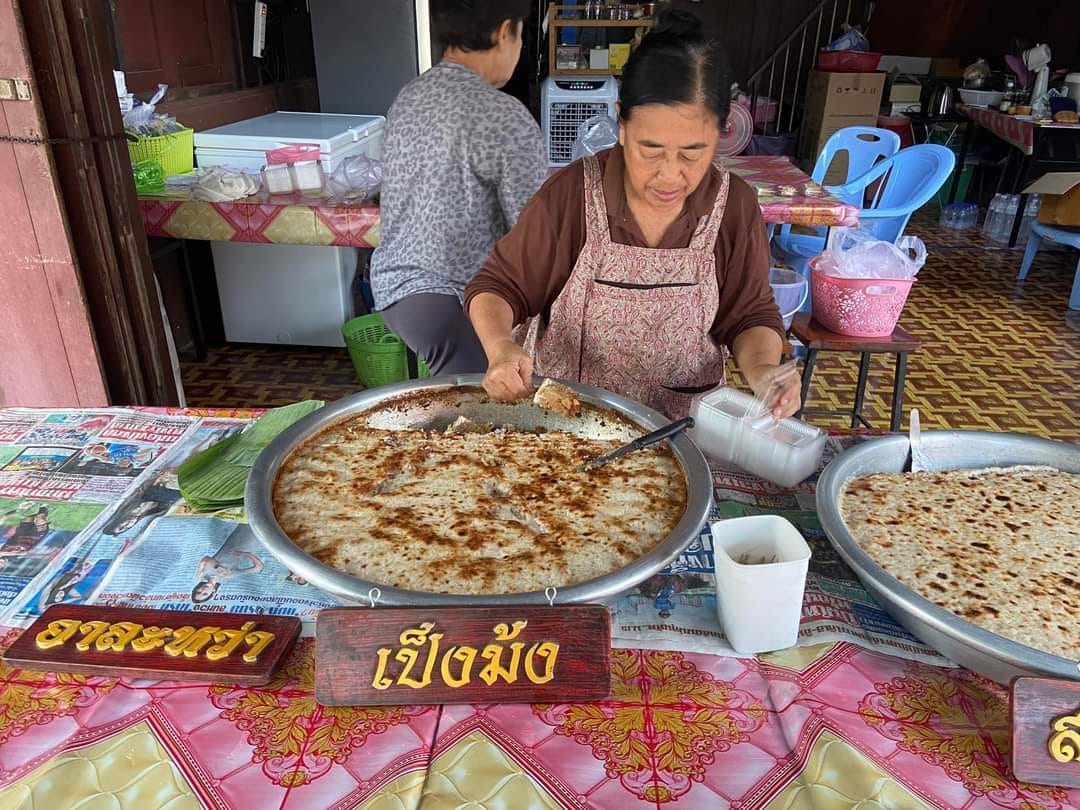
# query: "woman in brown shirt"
641,267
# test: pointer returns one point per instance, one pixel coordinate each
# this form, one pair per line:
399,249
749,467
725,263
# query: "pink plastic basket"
857,307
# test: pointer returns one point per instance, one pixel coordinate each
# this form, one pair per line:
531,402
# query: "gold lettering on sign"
92,631
151,639
549,652
539,662
1064,745
118,637
259,641
228,641
189,642
494,670
57,634
466,655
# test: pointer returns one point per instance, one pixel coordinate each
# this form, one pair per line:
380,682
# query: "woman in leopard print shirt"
461,161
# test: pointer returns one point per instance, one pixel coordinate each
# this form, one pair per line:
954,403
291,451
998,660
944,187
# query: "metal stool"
818,339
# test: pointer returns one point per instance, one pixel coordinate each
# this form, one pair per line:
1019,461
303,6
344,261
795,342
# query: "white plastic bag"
594,135
355,178
858,254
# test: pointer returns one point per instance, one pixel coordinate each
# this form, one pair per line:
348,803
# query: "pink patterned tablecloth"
282,220
1015,131
828,726
772,175
298,220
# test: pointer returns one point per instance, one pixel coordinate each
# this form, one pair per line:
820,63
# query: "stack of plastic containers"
733,427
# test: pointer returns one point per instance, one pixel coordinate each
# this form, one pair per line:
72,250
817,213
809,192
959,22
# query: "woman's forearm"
493,320
758,346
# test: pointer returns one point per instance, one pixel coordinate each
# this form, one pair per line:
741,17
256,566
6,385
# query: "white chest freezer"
291,294
243,145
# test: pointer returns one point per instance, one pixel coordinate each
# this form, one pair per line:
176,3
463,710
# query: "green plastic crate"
379,356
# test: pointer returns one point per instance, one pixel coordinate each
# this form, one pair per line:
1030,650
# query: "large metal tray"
612,417
970,646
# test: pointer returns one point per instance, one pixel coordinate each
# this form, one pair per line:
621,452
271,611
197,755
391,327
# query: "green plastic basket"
379,356
175,151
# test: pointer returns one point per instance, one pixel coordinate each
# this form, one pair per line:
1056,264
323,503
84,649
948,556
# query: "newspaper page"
209,564
153,551
75,576
59,471
676,609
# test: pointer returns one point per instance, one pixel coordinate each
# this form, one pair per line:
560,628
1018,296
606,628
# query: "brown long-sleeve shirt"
530,266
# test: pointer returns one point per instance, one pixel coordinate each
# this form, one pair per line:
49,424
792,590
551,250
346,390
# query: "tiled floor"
997,354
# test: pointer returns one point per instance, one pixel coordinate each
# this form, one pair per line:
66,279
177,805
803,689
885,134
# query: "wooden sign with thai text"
166,644
376,656
1045,715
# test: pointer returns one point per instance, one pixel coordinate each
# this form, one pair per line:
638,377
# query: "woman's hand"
509,374
778,386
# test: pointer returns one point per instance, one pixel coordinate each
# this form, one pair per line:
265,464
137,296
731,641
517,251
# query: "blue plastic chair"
908,180
1062,236
865,146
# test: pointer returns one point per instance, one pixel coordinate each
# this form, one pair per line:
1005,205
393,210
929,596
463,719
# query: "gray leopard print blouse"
461,159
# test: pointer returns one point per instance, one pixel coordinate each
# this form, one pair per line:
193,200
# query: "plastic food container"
981,98
729,429
848,61
308,176
761,565
278,179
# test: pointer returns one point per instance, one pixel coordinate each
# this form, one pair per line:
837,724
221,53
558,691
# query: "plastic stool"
1062,236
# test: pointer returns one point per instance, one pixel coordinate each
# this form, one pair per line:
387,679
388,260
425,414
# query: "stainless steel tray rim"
916,613
258,500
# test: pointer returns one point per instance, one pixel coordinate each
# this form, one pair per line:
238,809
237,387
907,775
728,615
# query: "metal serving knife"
666,432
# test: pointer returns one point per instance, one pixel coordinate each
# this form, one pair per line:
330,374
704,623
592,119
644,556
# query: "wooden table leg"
807,375
898,392
860,390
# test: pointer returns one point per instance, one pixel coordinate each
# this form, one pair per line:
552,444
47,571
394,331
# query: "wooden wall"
180,43
48,355
750,30
969,29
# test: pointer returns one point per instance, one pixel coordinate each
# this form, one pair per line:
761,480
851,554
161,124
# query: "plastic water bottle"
988,223
1009,204
993,218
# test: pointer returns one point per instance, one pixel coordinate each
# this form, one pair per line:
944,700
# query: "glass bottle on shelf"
1009,97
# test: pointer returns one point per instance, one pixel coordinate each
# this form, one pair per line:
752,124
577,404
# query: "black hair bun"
675,22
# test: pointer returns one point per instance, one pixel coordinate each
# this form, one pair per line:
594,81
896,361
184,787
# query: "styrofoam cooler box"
285,294
243,145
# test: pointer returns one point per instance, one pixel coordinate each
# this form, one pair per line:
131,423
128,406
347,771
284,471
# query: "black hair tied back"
677,64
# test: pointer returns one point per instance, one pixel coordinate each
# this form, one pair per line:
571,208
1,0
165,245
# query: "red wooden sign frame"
392,656
177,645
1045,720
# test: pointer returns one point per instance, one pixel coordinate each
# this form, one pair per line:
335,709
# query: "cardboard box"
835,101
902,91
1061,198
946,68
915,65
598,59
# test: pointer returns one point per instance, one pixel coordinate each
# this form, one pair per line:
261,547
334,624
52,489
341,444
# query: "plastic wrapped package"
356,178
858,254
149,176
595,135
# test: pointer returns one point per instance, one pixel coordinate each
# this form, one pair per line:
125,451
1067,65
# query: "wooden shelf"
585,72
644,22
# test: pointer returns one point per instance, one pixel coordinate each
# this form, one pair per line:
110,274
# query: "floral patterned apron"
635,320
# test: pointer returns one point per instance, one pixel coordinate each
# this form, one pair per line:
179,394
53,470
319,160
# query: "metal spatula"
640,443
920,461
